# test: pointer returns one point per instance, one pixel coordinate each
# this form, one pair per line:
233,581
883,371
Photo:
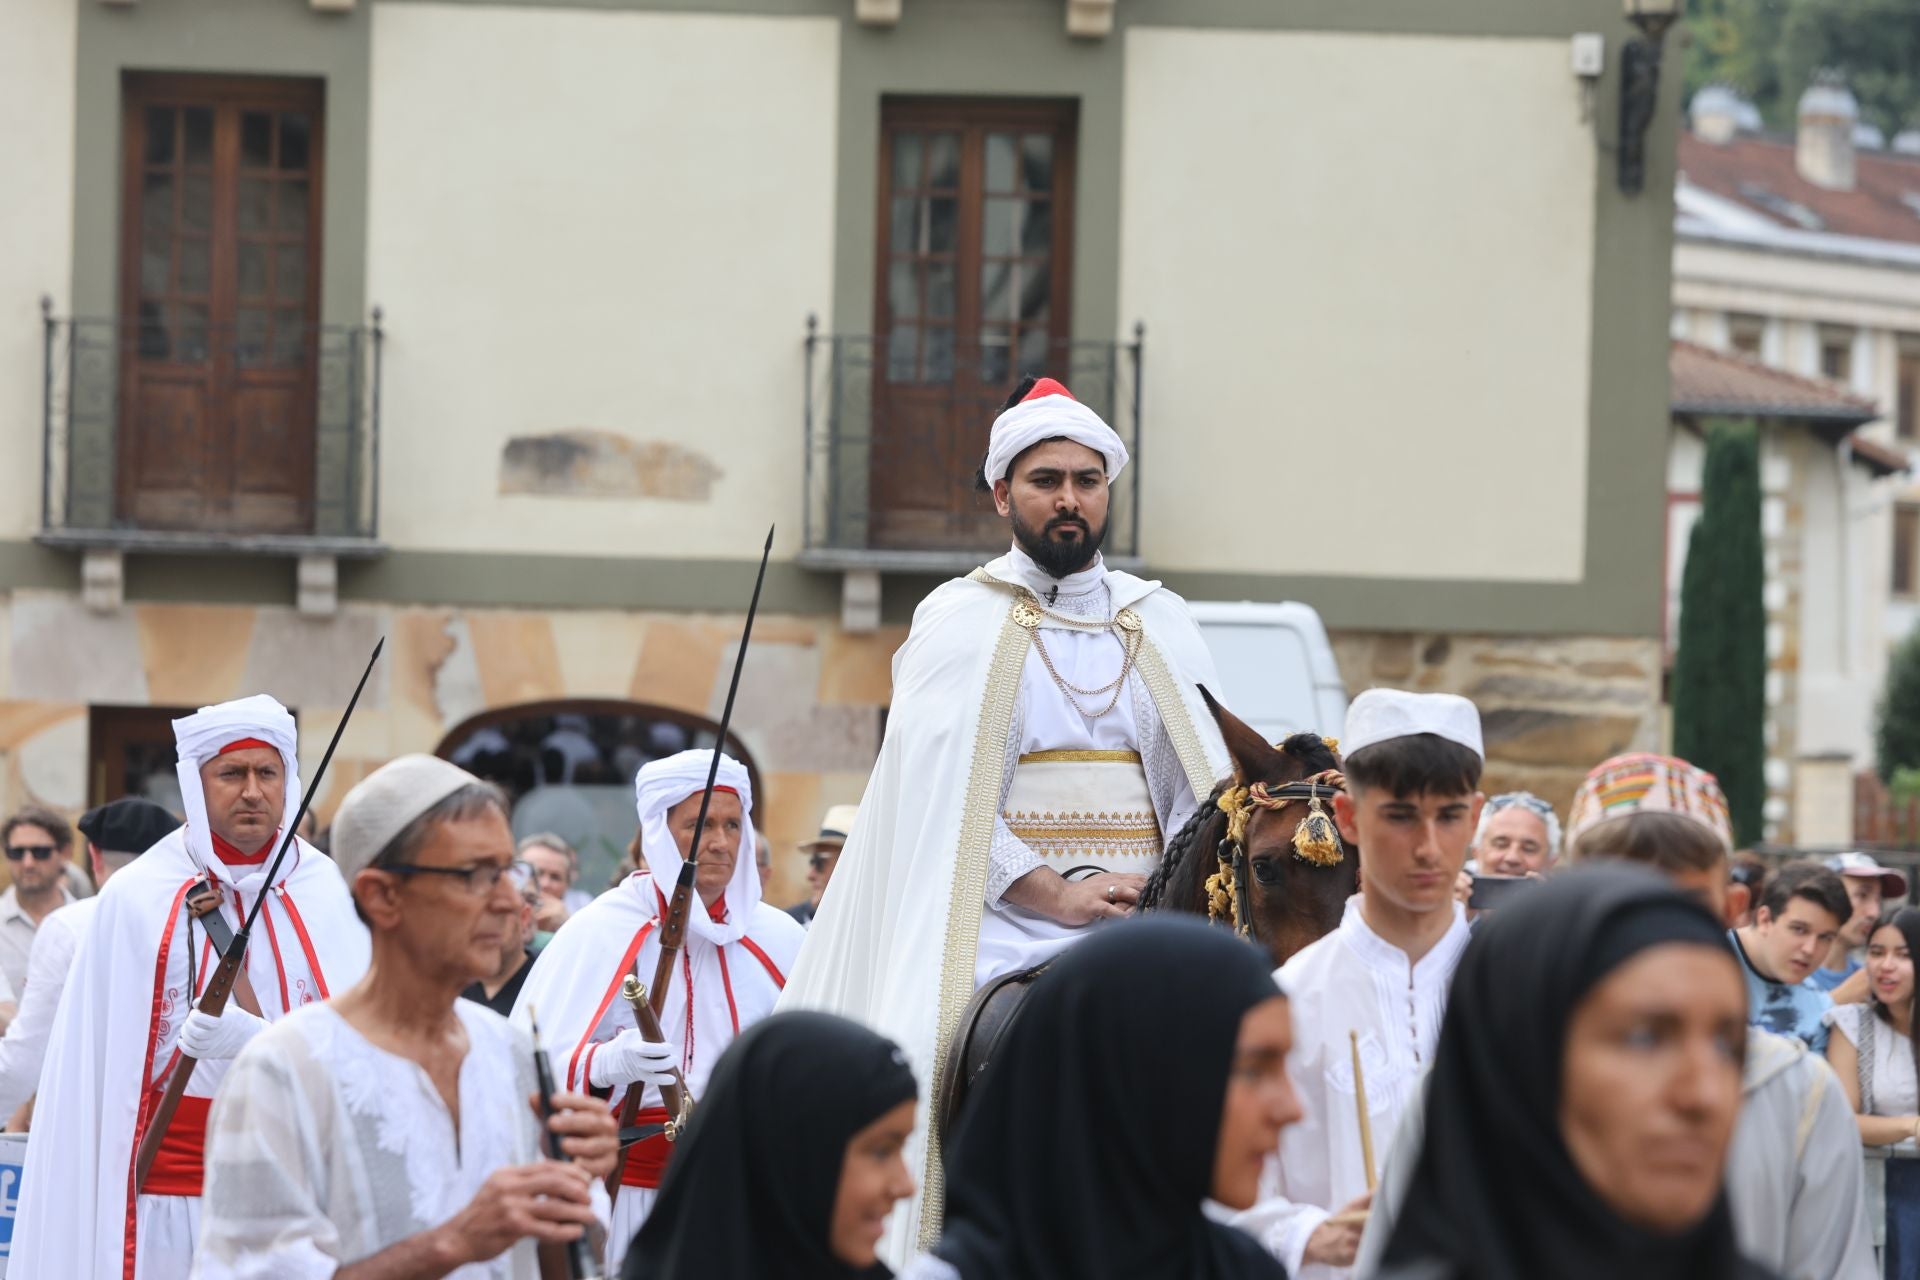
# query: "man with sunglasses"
130,1016
39,845
822,853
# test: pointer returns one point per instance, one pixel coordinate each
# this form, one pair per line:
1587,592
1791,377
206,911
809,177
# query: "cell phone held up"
1490,892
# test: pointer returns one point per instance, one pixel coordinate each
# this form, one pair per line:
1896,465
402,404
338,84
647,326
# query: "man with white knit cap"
128,1012
737,954
391,1130
1413,763
1046,723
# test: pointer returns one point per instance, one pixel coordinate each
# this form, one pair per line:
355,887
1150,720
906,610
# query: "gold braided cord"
1167,700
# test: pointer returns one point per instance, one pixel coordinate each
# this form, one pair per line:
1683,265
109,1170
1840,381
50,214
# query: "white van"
1276,667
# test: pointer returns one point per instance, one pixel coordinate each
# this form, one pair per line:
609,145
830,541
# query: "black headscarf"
1495,1193
1087,1147
749,1194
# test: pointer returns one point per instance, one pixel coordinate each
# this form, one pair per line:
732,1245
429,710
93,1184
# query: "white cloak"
574,992
114,1042
895,942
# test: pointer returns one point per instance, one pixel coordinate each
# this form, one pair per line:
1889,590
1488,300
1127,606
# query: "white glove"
207,1038
630,1059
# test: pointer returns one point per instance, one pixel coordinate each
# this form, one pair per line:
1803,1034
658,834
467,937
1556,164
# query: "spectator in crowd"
1793,1176
1794,926
1746,881
1583,1094
763,861
555,867
499,989
1519,835
792,1162
39,846
823,852
1875,1056
1868,885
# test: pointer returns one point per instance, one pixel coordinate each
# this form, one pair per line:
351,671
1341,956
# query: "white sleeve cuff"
1008,858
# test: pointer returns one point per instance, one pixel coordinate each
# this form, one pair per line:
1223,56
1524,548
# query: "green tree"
1720,671
1733,42
1896,739
1770,50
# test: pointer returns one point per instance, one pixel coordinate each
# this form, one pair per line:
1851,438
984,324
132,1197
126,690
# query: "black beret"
128,826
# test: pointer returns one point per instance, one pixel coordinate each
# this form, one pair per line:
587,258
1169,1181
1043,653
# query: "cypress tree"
1897,736
1720,671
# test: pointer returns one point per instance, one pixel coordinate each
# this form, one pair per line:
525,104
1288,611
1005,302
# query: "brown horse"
1289,871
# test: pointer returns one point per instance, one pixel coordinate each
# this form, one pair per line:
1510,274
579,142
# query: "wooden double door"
219,302
973,290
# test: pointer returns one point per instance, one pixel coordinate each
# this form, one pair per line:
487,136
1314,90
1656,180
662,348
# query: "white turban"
207,733
665,783
1049,417
382,804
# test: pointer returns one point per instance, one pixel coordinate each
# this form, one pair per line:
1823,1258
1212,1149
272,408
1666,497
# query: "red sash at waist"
178,1167
647,1159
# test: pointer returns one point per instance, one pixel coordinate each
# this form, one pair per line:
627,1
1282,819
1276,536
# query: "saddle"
983,1027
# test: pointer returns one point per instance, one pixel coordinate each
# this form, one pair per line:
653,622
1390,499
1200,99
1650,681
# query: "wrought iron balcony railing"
893,446
206,438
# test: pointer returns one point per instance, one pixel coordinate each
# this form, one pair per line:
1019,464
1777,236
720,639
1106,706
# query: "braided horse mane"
1175,883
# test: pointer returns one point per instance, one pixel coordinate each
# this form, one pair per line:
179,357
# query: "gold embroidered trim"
1074,756
1173,714
969,894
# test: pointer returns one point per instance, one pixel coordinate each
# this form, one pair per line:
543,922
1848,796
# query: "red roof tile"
1725,383
1884,204
1880,459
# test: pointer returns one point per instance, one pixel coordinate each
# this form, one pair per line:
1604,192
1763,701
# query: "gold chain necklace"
1129,645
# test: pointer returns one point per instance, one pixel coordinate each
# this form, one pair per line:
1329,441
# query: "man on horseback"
1046,733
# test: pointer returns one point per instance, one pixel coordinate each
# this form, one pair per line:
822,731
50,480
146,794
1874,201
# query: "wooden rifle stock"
675,1098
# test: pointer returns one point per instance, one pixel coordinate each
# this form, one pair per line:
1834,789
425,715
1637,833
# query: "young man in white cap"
823,853
129,1011
738,952
1413,763
116,834
1046,719
391,1131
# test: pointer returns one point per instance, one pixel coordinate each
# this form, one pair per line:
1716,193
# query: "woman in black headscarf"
1583,1094
1146,1073
791,1163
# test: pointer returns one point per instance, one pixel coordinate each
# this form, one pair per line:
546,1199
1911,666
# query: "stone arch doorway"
567,766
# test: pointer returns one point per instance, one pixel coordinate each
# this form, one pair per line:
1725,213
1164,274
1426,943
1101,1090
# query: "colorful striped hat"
1645,783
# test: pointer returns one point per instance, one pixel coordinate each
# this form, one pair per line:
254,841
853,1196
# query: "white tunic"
1350,980
1895,1090
24,1047
324,1149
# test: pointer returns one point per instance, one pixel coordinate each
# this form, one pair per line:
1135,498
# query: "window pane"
250,335
902,347
905,232
256,140
903,289
199,135
1034,291
190,333
943,161
289,337
994,367
939,367
252,273
1002,150
293,141
159,135
293,206
942,220
1033,351
1036,159
907,170
290,272
156,202
1000,235
195,266
996,291
155,344
196,203
1036,234
255,207
940,290
155,264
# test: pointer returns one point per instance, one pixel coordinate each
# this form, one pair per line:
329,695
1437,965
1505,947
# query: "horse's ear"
1254,758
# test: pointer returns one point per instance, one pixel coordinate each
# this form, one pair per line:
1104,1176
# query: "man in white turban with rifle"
1047,736
128,1017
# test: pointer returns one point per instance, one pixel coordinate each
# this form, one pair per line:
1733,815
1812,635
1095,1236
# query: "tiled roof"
1880,459
1707,382
1758,174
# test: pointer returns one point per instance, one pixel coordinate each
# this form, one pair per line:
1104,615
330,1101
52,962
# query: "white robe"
324,1149
574,992
894,945
24,1047
114,1042
1350,980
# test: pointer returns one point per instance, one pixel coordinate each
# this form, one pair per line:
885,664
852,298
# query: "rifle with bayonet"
673,929
213,1000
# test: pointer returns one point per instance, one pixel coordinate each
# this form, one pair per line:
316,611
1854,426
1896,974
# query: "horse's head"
1298,873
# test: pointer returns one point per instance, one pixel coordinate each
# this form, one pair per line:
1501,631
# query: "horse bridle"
1316,840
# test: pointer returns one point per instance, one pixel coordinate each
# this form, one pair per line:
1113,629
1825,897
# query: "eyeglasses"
40,852
479,880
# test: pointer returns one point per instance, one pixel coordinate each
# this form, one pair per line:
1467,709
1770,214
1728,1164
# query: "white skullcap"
207,733
1047,417
382,804
1381,714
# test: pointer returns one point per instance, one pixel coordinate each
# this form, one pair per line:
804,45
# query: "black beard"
1059,559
